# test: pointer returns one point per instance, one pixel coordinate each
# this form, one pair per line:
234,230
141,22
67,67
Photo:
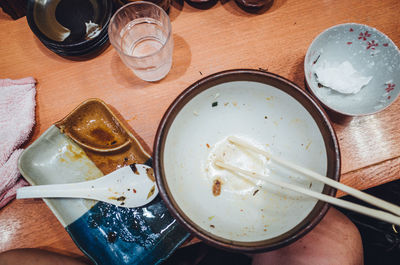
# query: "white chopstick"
378,214
349,190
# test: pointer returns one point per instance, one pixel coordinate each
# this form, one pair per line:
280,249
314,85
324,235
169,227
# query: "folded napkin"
17,117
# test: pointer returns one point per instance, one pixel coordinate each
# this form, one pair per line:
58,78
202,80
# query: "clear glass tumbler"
141,34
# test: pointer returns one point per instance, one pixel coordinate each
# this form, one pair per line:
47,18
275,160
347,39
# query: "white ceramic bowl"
273,114
370,53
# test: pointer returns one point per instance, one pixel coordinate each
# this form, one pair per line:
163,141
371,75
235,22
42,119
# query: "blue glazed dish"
112,235
107,234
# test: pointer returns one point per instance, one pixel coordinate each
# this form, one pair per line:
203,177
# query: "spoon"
130,186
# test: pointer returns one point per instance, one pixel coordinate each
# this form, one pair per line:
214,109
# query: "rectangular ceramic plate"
105,233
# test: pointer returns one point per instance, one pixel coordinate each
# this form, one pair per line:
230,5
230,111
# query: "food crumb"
208,146
212,226
195,113
316,60
151,192
308,145
134,169
216,188
121,198
150,174
255,192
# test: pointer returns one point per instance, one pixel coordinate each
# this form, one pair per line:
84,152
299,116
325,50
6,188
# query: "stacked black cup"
71,28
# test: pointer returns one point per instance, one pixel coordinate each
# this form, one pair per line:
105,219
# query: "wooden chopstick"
390,207
378,214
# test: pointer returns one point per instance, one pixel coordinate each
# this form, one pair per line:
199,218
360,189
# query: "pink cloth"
17,117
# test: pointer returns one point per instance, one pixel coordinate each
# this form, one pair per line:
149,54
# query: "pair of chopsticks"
378,214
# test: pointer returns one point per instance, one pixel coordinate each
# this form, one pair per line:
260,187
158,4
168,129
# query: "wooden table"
206,41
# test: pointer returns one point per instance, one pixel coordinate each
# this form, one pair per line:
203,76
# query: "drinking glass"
141,34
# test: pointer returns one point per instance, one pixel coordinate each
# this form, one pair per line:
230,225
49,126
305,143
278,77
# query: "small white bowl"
370,52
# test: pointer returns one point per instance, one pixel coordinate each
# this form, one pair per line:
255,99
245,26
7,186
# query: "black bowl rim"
318,114
95,47
43,38
82,46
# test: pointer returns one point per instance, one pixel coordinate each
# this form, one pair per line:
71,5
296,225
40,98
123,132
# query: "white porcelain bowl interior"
248,214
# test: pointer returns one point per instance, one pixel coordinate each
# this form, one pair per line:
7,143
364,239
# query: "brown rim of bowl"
315,110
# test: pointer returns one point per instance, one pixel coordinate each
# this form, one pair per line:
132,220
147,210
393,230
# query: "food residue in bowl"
92,30
216,188
223,181
342,78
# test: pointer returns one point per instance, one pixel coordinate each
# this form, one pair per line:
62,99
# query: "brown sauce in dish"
95,125
102,135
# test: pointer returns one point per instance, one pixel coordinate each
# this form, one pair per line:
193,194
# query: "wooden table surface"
206,41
